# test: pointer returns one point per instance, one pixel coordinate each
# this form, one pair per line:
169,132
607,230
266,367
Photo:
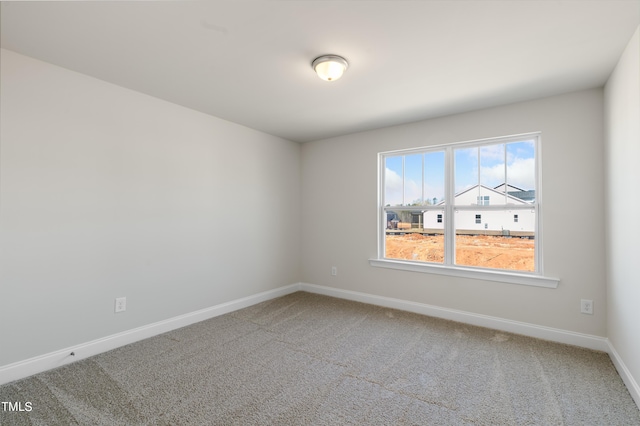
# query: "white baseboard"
22,369
532,330
627,378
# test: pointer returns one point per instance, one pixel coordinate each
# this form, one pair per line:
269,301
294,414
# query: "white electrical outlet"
586,306
334,270
121,304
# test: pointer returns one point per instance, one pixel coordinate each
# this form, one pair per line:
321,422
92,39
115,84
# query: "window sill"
478,274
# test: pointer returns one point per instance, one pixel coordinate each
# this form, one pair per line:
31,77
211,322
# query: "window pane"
492,168
393,184
521,170
466,175
495,240
413,180
492,173
415,235
434,178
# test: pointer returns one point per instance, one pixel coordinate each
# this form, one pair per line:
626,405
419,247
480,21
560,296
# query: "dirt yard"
478,250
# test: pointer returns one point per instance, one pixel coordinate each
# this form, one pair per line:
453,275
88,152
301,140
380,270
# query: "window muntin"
495,192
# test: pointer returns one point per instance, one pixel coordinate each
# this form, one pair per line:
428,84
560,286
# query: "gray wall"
340,200
106,192
622,94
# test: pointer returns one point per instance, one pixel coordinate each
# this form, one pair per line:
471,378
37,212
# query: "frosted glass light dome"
330,67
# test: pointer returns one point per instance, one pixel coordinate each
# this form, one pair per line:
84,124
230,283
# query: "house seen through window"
471,205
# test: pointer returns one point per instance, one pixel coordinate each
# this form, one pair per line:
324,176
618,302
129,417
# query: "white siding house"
513,220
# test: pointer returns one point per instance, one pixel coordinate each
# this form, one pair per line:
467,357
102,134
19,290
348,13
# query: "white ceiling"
250,61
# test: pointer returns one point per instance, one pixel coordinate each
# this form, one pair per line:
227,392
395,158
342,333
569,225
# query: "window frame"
535,278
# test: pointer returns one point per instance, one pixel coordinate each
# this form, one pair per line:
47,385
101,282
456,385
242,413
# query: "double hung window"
463,206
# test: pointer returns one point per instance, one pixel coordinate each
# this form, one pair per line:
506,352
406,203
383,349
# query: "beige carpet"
306,359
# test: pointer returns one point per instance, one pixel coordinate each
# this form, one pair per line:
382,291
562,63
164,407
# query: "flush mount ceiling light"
330,67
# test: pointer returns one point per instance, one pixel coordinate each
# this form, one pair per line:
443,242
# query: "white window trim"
514,277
